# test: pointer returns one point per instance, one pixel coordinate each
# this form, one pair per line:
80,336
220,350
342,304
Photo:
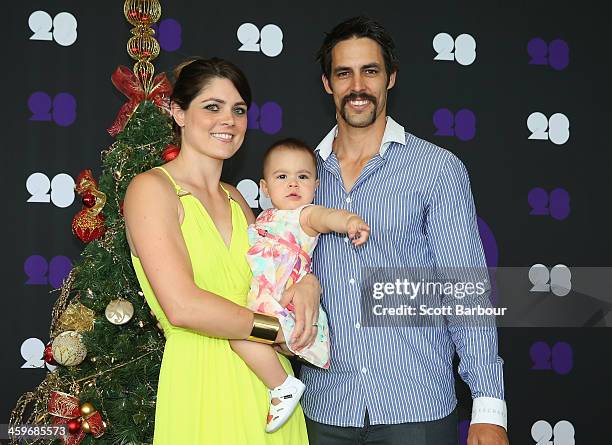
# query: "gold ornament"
76,317
85,426
68,349
86,183
142,47
87,409
119,311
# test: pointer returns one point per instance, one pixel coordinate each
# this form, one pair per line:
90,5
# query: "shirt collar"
394,132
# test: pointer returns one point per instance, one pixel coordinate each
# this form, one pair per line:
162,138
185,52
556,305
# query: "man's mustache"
358,96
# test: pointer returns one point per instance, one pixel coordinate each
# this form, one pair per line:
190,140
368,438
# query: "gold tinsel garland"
62,303
76,317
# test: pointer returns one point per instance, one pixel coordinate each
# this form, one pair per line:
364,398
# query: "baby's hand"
357,230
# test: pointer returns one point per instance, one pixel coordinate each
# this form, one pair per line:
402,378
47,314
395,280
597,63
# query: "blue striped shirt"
416,198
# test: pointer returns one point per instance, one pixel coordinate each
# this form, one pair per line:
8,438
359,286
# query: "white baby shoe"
289,394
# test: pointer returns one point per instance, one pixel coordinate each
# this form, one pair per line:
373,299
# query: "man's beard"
361,120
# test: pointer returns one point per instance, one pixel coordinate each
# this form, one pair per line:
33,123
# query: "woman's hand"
305,297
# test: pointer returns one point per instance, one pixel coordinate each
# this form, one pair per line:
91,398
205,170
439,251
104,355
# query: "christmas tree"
104,340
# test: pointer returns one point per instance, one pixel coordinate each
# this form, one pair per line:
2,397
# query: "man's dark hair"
358,27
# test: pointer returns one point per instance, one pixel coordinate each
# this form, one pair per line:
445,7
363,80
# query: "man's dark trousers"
437,432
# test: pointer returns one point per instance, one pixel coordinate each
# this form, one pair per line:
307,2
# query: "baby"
282,241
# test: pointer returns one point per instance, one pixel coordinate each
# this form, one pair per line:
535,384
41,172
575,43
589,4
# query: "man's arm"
452,232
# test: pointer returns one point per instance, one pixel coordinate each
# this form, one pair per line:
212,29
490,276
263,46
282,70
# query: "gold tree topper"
142,46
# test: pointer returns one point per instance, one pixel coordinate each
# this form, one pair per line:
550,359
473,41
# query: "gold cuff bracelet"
265,328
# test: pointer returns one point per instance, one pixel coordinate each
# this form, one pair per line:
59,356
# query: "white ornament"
68,349
119,311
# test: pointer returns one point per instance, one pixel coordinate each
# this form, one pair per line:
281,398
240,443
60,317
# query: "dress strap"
177,188
292,246
227,193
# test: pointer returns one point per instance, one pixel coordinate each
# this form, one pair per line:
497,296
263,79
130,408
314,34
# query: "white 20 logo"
253,195
62,28
555,129
562,433
269,41
464,47
61,186
32,351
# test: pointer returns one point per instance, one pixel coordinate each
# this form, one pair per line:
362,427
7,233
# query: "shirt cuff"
490,410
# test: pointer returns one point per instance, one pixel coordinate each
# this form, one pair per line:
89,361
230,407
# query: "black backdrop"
552,375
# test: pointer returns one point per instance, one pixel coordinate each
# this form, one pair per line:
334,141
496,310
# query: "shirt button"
352,281
364,370
346,240
348,199
357,325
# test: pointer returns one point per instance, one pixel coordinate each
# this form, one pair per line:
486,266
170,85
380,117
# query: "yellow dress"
206,393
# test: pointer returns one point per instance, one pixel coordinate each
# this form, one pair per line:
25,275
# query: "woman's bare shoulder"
150,187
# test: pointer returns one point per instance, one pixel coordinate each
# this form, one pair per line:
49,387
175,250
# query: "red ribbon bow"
65,407
126,81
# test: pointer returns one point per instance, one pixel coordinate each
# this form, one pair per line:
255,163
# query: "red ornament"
66,409
48,355
170,152
74,426
88,226
89,200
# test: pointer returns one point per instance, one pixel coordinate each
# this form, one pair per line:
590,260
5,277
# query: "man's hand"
304,296
487,434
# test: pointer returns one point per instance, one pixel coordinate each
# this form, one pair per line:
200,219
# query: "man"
392,385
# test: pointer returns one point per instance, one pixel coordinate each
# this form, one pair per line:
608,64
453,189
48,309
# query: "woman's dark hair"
291,144
358,27
194,74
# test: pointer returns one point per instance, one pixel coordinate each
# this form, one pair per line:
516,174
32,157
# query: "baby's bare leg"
262,360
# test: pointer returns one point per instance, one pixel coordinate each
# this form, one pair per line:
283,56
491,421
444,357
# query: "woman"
188,236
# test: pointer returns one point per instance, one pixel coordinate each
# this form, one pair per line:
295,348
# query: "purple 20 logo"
557,204
489,245
62,109
461,124
40,272
555,54
267,118
169,34
559,358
